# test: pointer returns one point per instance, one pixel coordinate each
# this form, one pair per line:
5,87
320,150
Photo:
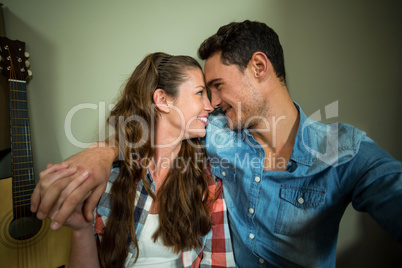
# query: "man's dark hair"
238,41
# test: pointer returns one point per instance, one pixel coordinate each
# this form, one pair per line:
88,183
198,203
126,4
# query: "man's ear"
261,65
161,101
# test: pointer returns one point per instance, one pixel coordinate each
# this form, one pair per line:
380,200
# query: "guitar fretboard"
21,158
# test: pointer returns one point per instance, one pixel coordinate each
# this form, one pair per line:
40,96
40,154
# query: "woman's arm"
84,252
83,249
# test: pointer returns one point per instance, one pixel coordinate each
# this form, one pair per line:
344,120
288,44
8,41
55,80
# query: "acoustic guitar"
25,241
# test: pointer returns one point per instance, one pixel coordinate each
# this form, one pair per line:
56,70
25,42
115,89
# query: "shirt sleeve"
98,226
218,250
376,183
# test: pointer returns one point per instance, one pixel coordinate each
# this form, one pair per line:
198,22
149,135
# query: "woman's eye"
200,92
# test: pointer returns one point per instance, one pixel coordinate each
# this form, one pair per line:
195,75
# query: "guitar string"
13,146
24,113
32,251
12,143
25,129
18,143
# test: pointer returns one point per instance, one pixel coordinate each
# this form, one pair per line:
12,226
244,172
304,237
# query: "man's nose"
215,100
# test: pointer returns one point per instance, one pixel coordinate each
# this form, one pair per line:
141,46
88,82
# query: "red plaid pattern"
217,251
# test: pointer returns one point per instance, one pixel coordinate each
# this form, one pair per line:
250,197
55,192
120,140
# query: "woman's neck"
166,148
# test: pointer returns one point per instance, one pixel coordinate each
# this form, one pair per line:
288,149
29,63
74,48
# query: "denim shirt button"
251,210
300,200
223,173
261,260
257,179
251,236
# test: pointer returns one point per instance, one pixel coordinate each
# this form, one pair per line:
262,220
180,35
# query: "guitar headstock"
14,62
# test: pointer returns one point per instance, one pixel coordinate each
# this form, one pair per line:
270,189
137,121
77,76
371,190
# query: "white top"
155,255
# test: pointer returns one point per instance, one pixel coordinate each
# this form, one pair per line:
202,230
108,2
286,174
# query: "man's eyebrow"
213,81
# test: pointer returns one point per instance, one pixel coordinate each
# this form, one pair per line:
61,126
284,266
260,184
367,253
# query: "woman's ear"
161,101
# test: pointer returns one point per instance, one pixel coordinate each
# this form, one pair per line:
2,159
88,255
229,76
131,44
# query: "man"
287,179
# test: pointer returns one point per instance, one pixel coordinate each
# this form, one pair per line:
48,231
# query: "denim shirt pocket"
299,209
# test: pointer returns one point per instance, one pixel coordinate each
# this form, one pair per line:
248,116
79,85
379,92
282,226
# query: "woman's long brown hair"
182,198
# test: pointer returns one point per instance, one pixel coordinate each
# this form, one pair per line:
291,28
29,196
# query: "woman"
162,208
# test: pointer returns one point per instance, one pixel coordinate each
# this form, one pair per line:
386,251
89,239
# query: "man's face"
233,91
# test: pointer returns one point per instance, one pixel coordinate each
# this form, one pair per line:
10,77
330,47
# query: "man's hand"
63,187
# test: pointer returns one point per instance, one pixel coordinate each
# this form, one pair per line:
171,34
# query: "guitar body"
45,249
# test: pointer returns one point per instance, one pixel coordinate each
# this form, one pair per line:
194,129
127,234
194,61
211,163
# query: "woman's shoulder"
114,173
104,205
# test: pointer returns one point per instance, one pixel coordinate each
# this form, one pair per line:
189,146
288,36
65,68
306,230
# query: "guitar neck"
21,157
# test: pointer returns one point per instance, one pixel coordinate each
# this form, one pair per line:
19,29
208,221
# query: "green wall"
83,50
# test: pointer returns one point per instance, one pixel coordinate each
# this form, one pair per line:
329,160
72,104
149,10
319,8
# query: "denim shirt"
291,218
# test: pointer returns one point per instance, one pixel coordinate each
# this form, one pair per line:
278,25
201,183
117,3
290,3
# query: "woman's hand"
77,221
63,187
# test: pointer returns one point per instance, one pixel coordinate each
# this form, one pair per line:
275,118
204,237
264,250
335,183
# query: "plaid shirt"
217,248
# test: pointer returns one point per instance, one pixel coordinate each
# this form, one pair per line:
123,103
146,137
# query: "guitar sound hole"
24,228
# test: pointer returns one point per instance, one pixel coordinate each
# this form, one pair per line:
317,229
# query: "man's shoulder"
347,136
333,143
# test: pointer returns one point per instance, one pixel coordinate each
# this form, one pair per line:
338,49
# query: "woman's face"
191,107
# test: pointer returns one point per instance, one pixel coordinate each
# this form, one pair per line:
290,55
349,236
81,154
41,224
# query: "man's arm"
64,186
375,182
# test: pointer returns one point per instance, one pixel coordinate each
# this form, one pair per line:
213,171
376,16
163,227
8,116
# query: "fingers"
35,199
66,192
70,203
46,178
92,201
49,188
50,168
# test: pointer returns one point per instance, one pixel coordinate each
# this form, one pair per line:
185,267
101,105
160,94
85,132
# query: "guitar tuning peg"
26,54
27,64
29,73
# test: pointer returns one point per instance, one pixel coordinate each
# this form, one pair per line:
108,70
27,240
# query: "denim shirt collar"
319,145
303,139
299,154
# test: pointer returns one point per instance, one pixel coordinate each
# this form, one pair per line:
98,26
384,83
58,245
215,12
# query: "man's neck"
277,135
